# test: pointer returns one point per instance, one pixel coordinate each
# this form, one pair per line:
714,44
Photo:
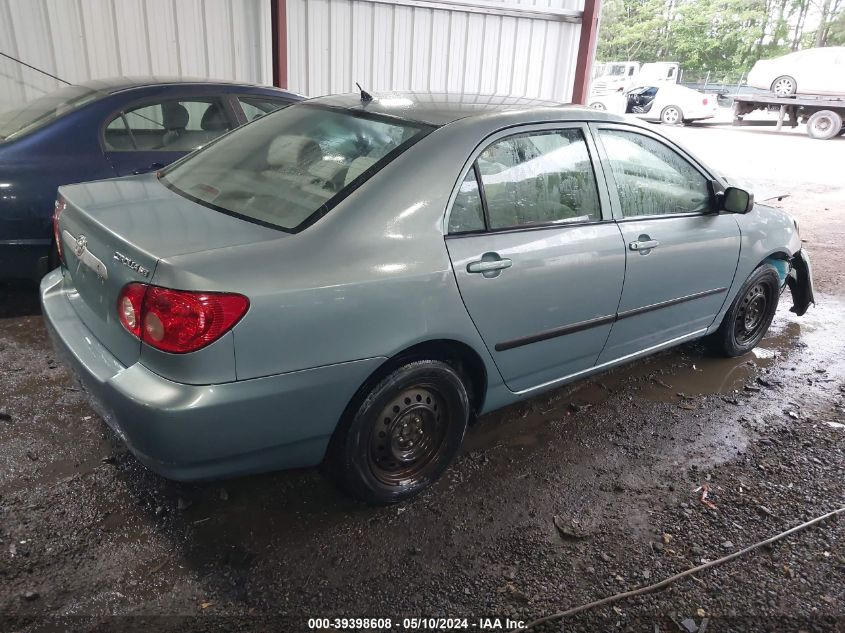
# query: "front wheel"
403,435
750,315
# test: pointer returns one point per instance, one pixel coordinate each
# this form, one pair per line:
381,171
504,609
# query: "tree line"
719,37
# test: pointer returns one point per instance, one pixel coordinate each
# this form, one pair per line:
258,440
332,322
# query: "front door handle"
643,245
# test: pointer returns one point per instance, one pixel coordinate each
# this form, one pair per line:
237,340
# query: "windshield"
39,112
289,168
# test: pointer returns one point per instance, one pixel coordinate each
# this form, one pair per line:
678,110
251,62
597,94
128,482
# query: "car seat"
175,119
214,123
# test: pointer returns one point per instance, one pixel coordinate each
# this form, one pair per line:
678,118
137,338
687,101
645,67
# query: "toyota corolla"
351,281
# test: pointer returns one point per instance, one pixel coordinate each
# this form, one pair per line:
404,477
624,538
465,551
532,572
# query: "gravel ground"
574,495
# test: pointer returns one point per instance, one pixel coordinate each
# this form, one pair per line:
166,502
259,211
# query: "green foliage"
719,37
836,32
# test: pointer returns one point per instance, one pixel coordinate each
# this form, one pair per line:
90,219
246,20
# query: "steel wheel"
751,316
408,436
671,115
784,86
400,434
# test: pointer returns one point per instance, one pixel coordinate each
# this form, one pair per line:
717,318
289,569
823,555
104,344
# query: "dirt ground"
90,540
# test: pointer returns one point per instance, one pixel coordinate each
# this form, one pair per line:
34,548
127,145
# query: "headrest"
174,116
327,170
214,119
358,167
290,150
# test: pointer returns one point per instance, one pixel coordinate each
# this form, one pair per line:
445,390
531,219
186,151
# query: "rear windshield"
289,168
39,112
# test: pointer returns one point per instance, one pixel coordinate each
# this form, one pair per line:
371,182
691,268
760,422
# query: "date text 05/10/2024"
416,624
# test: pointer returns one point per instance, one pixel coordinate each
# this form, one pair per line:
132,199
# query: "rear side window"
467,210
287,170
168,126
539,178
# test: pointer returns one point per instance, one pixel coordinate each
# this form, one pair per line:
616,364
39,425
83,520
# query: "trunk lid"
114,232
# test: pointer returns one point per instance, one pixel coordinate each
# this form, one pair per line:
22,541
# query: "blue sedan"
102,129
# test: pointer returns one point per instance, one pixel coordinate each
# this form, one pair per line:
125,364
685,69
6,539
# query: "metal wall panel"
388,45
87,39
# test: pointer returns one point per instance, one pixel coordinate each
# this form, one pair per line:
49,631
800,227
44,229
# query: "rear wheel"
672,115
784,86
750,315
403,435
824,124
598,105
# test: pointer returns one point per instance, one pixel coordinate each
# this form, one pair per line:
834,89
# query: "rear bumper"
191,432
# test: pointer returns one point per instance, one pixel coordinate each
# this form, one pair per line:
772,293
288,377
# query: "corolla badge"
131,263
81,245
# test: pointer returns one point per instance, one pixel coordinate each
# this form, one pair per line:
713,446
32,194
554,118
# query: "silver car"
352,281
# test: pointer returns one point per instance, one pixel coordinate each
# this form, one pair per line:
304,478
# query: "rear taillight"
178,321
704,101
61,205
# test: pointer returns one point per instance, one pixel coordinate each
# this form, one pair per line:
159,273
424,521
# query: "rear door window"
539,178
175,125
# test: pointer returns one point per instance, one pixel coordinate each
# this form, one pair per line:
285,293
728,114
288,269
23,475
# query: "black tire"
672,115
784,86
373,455
824,125
750,315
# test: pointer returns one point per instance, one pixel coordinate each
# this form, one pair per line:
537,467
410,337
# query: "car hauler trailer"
824,116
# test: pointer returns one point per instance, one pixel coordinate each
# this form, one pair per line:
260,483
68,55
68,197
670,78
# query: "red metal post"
279,28
586,50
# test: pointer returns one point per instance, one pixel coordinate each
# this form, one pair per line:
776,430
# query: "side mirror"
736,200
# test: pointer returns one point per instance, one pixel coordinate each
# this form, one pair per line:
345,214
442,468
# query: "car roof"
438,109
112,85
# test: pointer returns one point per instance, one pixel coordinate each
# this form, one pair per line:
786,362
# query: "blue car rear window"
289,168
37,113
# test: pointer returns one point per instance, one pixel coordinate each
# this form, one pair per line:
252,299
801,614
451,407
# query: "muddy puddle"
681,376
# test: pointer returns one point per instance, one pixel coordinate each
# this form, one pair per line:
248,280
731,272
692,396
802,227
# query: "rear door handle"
482,266
643,245
489,267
